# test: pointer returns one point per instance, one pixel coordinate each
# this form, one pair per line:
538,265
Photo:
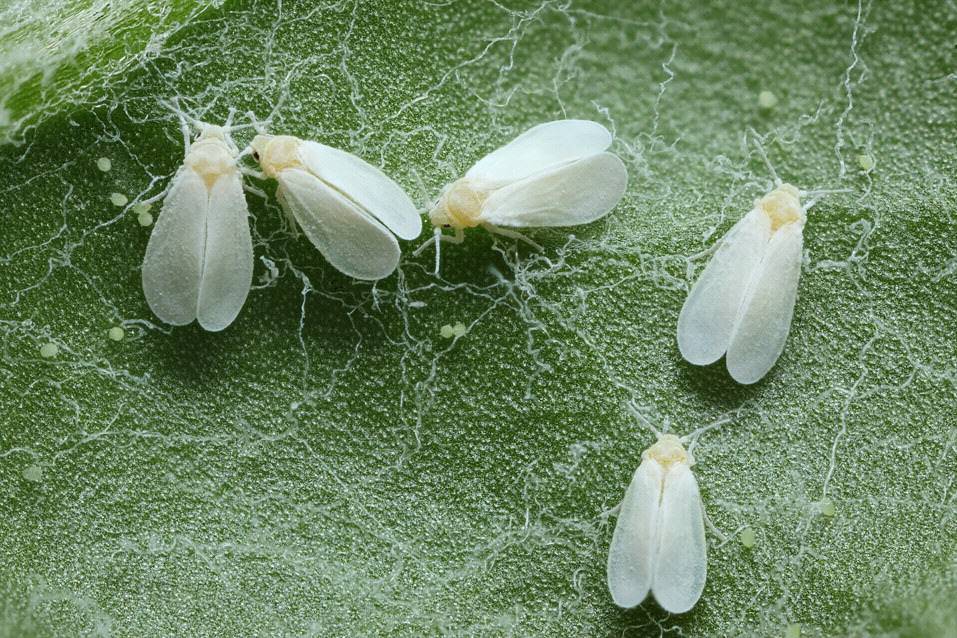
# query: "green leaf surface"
332,465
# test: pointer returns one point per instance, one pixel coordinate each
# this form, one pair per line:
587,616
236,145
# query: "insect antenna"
758,142
692,438
818,195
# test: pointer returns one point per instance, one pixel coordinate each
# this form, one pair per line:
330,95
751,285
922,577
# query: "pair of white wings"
347,208
554,174
199,260
744,300
659,543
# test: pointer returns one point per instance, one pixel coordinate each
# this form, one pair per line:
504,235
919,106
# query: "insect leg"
255,191
818,195
513,234
714,530
291,224
434,239
611,511
457,238
250,172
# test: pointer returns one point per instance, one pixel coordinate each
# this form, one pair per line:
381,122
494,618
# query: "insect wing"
173,264
631,557
571,194
765,321
228,264
681,564
708,317
370,188
540,148
351,240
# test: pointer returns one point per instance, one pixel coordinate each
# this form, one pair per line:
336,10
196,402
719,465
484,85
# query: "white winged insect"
199,259
743,302
555,174
659,545
350,210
